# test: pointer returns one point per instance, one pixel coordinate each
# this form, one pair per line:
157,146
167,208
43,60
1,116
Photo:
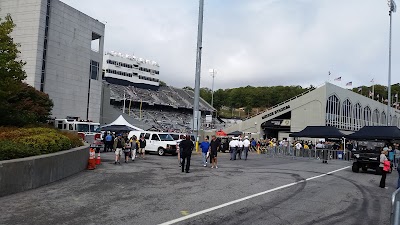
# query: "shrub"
12,150
24,142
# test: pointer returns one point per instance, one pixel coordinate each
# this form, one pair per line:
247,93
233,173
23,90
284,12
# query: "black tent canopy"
376,133
235,133
318,132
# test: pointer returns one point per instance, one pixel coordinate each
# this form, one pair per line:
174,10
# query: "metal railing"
320,154
395,213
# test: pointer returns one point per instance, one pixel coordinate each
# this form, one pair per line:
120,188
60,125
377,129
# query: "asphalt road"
154,191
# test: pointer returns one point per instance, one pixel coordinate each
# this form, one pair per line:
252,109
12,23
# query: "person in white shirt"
240,148
233,144
298,146
246,145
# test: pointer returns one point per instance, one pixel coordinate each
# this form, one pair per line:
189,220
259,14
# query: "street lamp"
212,72
392,9
196,113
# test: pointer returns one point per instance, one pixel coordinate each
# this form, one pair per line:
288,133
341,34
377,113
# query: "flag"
395,95
338,79
359,89
329,73
349,83
377,96
370,94
372,81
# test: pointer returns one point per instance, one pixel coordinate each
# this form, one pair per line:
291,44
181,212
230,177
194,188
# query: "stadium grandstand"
148,104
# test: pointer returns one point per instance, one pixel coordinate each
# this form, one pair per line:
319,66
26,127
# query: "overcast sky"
255,42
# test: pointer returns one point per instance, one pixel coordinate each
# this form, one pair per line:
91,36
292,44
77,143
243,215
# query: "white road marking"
247,198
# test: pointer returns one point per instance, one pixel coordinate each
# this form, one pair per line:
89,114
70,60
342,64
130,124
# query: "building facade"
128,70
63,50
328,105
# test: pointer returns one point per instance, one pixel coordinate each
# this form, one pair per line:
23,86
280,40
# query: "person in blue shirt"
108,142
253,144
205,145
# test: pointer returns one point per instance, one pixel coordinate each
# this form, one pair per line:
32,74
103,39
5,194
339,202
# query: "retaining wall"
27,173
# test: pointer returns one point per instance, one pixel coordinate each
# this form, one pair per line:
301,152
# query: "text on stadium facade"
276,111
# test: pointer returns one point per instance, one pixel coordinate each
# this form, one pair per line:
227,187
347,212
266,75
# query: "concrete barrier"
18,175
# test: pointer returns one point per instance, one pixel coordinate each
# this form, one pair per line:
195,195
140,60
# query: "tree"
162,84
20,104
11,72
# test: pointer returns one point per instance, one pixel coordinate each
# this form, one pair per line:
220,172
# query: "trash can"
325,154
340,154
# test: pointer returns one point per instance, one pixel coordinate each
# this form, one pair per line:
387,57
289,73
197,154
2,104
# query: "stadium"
327,105
133,82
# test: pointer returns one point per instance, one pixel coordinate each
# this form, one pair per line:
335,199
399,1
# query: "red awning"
221,133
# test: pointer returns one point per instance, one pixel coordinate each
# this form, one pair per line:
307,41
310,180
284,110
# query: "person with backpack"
119,145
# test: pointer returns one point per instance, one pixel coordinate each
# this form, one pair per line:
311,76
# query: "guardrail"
327,154
395,213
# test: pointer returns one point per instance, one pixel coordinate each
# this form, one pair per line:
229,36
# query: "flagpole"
123,110
130,103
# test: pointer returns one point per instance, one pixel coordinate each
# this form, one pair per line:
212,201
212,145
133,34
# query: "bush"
12,150
24,142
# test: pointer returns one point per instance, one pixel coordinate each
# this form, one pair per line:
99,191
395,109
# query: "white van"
157,142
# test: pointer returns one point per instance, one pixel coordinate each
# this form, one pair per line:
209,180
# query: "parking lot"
260,190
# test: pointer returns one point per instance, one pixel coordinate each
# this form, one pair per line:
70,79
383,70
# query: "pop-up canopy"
120,122
376,133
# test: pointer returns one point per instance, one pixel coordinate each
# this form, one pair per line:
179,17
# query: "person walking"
240,148
233,144
119,144
246,146
205,145
214,147
108,142
134,146
383,168
142,146
186,146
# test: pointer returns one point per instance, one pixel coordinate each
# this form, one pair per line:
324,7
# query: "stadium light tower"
212,72
196,113
392,9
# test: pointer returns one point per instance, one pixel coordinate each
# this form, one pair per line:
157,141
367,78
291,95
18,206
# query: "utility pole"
196,113
392,9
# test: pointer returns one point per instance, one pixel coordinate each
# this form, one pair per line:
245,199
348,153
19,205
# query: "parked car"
158,142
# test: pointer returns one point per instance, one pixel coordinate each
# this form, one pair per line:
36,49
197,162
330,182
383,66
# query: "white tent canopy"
121,121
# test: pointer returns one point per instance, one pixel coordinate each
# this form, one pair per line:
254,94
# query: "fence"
327,154
395,213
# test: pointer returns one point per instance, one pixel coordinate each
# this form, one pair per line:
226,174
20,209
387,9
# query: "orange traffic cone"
92,161
98,160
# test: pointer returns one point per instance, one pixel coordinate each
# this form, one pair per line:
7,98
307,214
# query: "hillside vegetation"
247,101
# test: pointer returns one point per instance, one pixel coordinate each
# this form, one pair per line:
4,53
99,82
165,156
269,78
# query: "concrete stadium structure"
63,50
328,105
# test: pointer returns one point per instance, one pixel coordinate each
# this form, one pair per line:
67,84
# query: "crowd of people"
130,147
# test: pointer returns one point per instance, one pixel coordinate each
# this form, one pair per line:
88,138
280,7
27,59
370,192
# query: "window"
332,111
357,116
154,137
383,118
95,44
346,114
367,116
94,70
166,137
147,136
375,117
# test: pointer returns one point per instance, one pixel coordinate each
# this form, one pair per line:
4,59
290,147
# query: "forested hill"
250,97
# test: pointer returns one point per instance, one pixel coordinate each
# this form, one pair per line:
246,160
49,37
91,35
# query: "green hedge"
25,142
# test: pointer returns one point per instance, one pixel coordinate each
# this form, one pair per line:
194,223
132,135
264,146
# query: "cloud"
254,42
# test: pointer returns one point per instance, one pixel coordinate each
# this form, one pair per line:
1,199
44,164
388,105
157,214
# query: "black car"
367,156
